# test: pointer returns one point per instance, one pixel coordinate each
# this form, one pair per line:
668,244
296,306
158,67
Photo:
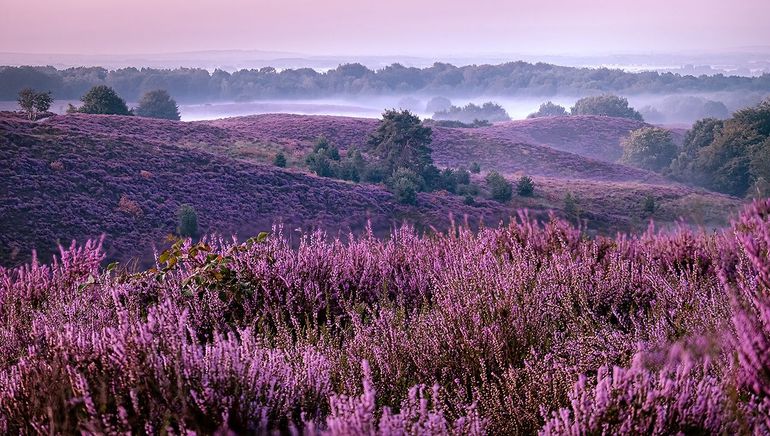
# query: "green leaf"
262,236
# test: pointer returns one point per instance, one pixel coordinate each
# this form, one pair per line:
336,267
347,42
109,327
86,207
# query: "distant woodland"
509,79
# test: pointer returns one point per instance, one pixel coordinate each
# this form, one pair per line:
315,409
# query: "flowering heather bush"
518,329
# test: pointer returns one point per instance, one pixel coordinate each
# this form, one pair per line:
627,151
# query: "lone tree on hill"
188,221
102,99
158,104
650,148
606,105
33,102
401,141
500,189
549,109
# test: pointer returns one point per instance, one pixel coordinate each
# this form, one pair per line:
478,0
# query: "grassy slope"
161,164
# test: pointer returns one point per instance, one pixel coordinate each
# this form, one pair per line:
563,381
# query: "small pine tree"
649,205
500,189
280,160
188,221
525,186
572,207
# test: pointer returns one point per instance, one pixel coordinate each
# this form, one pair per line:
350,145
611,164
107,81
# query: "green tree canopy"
158,104
650,148
102,99
606,105
401,141
33,102
549,109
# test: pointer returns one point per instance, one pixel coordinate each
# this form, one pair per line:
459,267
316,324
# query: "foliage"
323,158
700,135
572,207
729,156
438,104
188,221
650,148
158,104
458,124
474,114
280,160
508,79
401,141
649,205
475,167
521,329
33,102
549,109
525,186
404,184
102,99
499,188
605,105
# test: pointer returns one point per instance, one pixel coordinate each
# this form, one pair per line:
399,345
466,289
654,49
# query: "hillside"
591,136
80,176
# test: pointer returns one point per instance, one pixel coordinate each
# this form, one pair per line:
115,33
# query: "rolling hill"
81,176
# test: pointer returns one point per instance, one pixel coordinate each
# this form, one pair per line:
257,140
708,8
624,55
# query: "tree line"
513,78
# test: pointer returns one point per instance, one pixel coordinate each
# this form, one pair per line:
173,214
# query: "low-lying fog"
656,109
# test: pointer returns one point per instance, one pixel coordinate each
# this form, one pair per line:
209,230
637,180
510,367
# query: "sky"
384,27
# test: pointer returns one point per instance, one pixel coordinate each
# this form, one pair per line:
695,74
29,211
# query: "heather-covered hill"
498,148
591,136
80,176
60,185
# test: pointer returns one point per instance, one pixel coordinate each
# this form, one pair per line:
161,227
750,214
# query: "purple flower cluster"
523,328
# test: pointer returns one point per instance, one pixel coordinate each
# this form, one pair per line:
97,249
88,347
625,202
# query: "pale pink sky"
381,27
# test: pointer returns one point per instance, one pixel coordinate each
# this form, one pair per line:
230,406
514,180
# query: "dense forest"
513,78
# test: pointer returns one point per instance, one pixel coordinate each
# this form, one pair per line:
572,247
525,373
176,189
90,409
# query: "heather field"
519,329
76,177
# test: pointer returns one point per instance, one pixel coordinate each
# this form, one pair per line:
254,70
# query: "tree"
649,206
471,113
500,189
525,186
700,136
437,104
280,160
605,105
322,160
572,207
650,148
33,102
404,184
158,104
401,141
549,109
102,99
188,221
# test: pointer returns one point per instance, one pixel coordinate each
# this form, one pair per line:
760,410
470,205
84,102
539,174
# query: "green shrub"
404,184
280,160
572,207
188,221
525,186
649,206
500,188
